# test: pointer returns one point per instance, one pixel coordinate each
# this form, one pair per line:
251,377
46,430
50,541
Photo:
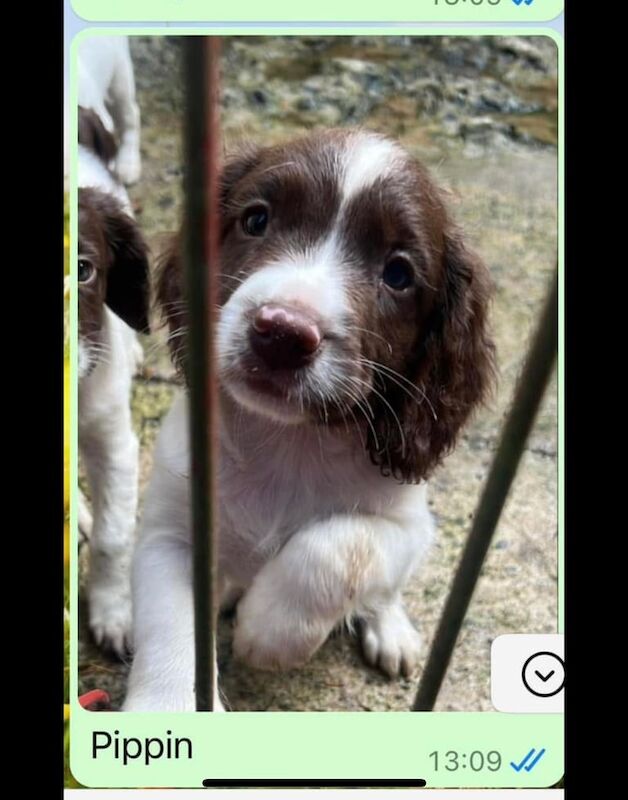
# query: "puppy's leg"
110,453
346,565
126,114
162,674
85,521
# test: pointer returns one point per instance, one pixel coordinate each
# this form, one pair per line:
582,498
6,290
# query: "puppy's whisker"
177,334
372,333
396,377
99,349
357,394
179,329
231,277
391,409
154,348
173,304
273,436
279,166
99,352
345,407
351,392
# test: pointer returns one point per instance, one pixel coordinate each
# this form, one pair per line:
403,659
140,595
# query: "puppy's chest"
268,494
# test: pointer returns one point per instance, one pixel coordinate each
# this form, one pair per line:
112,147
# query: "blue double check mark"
523,764
527,2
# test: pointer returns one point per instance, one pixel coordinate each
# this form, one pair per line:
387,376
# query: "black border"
585,548
33,409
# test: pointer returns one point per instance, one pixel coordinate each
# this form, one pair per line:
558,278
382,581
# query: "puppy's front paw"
391,642
110,619
271,637
128,166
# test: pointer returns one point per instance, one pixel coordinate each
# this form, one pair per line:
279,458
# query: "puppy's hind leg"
110,454
126,114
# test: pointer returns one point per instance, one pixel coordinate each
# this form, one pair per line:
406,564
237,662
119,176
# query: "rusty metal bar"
527,399
200,236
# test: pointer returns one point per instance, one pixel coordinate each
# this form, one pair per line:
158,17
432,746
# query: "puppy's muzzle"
284,337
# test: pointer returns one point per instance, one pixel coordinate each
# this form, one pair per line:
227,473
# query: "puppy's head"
112,270
348,297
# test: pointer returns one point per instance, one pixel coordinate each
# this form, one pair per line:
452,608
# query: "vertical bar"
200,232
527,399
212,246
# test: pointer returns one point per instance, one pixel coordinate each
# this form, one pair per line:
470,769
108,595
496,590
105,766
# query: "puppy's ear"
244,159
93,135
127,278
169,298
169,282
454,369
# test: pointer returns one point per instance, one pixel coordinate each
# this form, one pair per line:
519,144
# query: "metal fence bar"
200,234
527,399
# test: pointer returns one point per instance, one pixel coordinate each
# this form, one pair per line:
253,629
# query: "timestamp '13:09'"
472,2
477,761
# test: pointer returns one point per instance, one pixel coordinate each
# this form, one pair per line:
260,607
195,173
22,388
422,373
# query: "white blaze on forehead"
365,160
311,278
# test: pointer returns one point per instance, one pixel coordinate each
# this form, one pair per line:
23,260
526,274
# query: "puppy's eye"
85,270
255,220
398,274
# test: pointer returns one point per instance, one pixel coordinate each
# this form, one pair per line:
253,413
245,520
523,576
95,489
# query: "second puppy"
113,300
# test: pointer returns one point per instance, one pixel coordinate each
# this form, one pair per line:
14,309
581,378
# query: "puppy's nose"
284,337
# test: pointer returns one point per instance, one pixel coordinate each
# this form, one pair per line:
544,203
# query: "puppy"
352,347
106,86
113,295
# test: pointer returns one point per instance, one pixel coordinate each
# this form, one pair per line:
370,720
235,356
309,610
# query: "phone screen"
314,458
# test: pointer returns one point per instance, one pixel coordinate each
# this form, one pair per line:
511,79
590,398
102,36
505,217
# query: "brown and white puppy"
352,347
106,86
113,299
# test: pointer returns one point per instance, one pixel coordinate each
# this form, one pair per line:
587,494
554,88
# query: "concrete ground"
482,115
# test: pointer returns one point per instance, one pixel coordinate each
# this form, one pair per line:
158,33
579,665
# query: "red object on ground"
96,700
